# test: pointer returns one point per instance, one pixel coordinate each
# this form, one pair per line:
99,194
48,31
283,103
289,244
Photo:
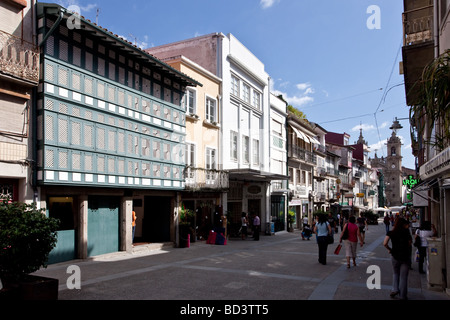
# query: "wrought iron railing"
302,154
203,179
19,58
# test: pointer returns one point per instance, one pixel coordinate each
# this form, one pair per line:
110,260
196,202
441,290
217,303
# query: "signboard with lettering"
436,166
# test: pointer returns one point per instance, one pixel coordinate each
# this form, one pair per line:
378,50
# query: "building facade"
206,185
244,119
302,164
427,43
19,77
110,137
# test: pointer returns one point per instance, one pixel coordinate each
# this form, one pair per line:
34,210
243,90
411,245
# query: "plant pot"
30,288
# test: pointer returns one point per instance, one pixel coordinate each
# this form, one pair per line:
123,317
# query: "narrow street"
280,267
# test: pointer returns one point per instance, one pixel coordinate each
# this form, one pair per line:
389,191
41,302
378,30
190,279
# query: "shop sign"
254,189
410,182
436,166
360,195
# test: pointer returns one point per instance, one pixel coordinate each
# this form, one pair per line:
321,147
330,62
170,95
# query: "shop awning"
300,134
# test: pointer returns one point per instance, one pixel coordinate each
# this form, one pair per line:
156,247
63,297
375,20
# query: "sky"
335,60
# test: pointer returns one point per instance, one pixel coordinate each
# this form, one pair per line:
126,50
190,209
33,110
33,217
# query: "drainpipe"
436,28
53,28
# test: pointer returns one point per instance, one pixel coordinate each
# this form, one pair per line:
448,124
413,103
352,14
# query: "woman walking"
401,240
322,230
350,235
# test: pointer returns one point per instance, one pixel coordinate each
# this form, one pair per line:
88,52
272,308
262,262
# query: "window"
190,155
257,100
246,93
210,163
234,145
211,110
256,152
210,159
190,160
235,86
245,148
191,107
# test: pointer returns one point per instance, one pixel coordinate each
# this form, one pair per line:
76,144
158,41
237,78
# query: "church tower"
393,174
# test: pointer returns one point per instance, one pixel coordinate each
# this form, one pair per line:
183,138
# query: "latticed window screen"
63,158
166,172
88,135
63,131
121,142
101,90
76,133
49,72
157,170
101,164
63,50
76,81
76,56
111,165
88,163
111,140
76,161
121,166
101,138
63,77
49,159
49,128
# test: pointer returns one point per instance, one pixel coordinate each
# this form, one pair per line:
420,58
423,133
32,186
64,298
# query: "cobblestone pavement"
281,267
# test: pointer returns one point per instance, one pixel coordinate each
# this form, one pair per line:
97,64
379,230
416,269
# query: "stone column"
83,228
126,230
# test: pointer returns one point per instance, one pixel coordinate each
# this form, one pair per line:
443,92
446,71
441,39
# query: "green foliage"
291,216
26,238
434,103
299,114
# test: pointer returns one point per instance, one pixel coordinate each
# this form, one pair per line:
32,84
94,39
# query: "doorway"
156,222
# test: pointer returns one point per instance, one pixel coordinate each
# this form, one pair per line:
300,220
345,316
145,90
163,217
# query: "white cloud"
299,99
265,4
364,127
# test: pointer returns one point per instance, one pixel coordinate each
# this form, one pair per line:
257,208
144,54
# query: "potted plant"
26,238
291,220
185,225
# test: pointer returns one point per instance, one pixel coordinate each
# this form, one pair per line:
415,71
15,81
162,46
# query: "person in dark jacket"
401,240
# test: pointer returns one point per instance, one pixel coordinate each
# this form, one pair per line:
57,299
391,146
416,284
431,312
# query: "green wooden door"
103,225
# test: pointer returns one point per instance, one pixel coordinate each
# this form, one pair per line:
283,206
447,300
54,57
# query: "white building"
244,119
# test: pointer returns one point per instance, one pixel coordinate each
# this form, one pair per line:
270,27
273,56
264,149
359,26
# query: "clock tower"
393,176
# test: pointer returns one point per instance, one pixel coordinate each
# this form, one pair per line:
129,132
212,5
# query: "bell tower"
394,167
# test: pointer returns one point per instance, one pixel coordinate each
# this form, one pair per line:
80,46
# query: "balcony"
418,25
199,179
299,153
19,59
418,46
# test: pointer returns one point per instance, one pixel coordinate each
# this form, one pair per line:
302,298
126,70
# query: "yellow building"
206,183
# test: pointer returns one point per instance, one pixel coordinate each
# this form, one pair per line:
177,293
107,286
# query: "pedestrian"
363,226
387,222
322,230
401,240
350,235
425,231
332,222
133,225
306,232
256,227
244,225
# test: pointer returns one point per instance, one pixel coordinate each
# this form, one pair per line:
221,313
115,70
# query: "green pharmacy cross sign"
410,183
